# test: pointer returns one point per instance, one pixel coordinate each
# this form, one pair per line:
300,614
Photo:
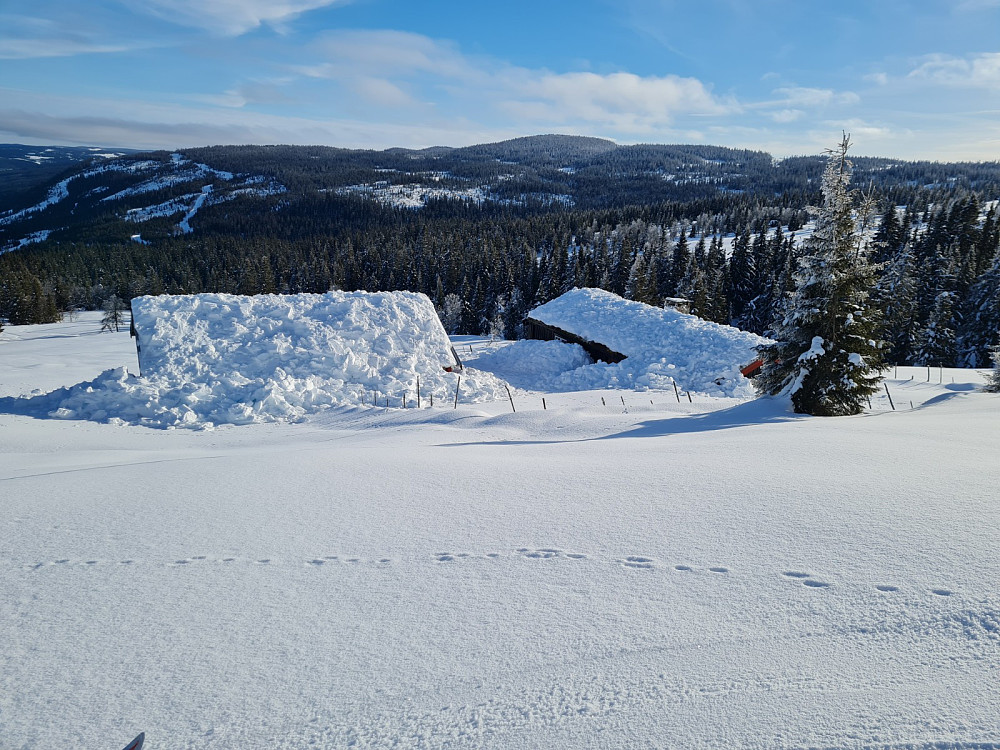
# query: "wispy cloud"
230,17
804,96
31,118
25,37
392,68
976,71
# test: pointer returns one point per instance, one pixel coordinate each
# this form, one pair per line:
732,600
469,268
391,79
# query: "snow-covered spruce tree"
828,356
993,383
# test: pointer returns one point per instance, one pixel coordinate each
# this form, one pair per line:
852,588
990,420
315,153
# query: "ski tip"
136,744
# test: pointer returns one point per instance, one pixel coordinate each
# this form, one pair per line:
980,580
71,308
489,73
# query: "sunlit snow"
594,571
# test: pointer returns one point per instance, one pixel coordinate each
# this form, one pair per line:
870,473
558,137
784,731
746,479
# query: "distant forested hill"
24,167
498,228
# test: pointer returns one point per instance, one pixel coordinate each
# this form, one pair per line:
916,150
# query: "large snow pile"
212,359
661,346
533,365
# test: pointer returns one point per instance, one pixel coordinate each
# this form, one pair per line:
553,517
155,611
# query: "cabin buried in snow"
359,337
659,345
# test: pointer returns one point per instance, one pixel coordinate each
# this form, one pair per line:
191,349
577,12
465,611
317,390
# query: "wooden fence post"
457,385
676,392
418,391
511,399
890,397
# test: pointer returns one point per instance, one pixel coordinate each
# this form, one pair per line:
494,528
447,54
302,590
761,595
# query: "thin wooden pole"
884,385
543,404
676,392
457,385
689,398
511,399
418,391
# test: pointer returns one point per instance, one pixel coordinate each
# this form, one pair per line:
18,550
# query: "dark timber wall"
536,329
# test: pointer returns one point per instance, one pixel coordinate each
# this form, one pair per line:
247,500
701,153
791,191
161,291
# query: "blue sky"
918,80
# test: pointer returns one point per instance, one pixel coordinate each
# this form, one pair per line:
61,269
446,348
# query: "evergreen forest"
497,229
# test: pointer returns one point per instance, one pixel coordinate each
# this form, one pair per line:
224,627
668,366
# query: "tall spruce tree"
993,382
827,356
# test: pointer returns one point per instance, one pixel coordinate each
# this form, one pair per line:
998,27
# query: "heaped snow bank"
533,365
660,345
212,359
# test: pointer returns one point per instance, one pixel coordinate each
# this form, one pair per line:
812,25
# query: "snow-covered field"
701,574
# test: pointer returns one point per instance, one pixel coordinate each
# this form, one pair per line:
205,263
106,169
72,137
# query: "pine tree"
936,345
114,313
827,356
980,330
993,384
451,313
896,296
741,274
715,282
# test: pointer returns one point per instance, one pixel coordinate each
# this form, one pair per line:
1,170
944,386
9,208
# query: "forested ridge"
491,231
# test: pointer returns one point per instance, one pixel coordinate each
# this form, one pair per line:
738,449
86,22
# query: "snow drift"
211,359
660,345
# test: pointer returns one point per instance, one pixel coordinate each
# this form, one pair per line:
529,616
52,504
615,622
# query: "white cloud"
862,130
229,17
20,49
879,79
620,98
976,71
399,52
803,96
25,37
27,117
787,115
391,64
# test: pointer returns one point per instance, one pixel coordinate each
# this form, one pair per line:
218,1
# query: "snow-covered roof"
227,358
357,335
659,344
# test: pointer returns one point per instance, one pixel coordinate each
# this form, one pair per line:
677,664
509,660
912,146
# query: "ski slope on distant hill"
624,574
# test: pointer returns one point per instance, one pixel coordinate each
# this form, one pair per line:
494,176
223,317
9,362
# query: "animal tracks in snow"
533,555
806,579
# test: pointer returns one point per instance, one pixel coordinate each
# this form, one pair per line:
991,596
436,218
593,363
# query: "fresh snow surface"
185,223
661,346
224,359
703,575
166,208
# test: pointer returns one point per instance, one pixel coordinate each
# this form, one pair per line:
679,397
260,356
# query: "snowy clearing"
710,574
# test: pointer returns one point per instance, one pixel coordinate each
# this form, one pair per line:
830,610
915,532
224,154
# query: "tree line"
734,256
